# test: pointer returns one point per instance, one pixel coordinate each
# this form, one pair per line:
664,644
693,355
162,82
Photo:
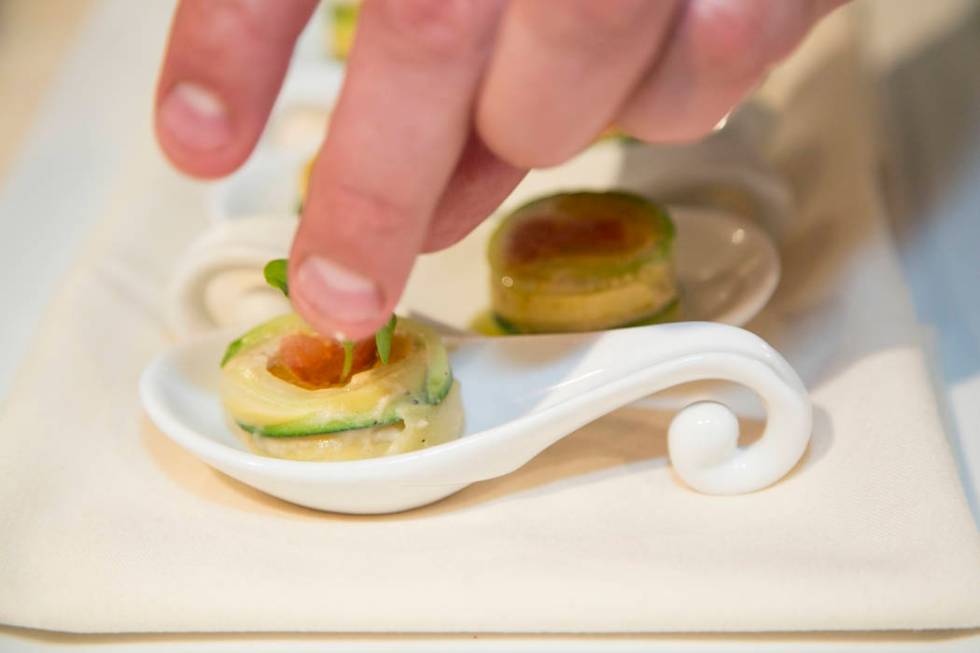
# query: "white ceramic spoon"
520,395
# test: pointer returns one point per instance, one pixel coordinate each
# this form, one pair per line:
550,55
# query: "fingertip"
222,70
195,129
335,299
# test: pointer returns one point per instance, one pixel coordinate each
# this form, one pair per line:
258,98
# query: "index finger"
401,122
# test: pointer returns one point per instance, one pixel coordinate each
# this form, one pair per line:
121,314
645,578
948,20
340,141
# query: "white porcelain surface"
728,268
520,395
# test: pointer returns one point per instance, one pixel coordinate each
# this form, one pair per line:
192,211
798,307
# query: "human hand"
446,105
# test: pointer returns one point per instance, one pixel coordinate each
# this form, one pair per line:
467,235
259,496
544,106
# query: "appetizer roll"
292,393
581,262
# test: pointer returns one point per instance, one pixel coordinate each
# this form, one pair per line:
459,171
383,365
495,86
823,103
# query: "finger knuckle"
368,210
731,38
437,28
220,22
587,23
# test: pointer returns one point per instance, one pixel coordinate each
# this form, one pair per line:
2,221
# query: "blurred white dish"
268,184
300,116
520,395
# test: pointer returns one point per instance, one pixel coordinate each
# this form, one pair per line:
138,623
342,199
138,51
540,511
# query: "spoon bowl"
520,395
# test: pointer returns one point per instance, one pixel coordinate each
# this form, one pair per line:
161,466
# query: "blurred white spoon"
520,395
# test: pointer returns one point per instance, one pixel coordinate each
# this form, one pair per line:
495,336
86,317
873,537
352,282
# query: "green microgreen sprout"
276,275
382,339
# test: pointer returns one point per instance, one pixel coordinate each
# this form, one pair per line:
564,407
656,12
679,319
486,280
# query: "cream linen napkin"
107,526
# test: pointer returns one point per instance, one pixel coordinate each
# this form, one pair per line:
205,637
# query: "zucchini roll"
291,393
582,262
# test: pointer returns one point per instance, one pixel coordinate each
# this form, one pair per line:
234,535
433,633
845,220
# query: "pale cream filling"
633,297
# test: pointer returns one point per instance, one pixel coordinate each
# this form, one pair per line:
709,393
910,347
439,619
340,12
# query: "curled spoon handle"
703,437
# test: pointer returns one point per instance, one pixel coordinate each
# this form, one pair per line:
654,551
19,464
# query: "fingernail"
337,292
196,117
